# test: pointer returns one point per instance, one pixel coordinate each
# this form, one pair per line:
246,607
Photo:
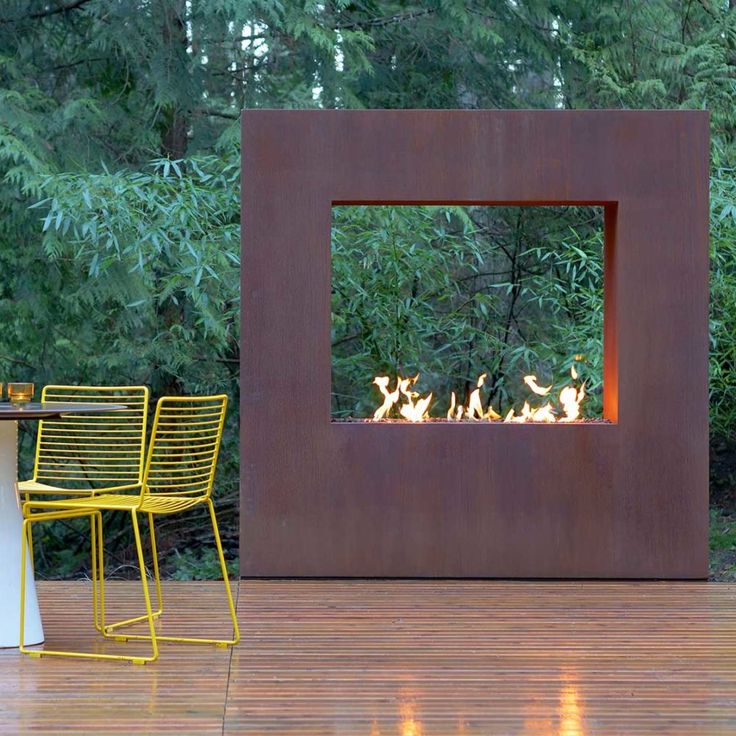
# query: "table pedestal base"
11,528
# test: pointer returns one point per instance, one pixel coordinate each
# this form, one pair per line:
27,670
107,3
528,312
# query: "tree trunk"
174,140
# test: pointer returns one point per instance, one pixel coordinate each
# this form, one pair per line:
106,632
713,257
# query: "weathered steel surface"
621,500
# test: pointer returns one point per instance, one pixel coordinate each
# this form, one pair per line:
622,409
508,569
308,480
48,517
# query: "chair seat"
156,504
33,486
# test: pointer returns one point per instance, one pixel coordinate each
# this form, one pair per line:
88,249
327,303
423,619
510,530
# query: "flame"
531,381
416,412
474,410
415,408
542,414
490,414
571,398
389,399
451,410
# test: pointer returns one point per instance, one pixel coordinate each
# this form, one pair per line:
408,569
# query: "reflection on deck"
571,712
409,658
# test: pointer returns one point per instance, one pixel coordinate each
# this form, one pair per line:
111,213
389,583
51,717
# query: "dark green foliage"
452,293
723,302
119,219
205,566
723,545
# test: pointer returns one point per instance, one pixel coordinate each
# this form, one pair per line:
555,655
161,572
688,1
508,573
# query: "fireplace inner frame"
626,500
498,250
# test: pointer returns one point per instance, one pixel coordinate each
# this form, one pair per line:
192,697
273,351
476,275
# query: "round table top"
34,410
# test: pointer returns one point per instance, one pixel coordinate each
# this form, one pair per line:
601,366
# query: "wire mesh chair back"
185,444
100,451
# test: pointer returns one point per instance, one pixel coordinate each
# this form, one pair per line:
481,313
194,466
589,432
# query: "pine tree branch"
46,13
24,363
386,20
219,113
71,64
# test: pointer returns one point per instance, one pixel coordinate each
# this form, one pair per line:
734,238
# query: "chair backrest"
102,450
185,443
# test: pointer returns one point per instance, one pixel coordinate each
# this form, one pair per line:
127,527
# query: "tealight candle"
20,393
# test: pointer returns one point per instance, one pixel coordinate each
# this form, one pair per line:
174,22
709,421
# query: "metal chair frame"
87,454
178,475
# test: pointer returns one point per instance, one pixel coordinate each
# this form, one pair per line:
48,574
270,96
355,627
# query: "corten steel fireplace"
624,499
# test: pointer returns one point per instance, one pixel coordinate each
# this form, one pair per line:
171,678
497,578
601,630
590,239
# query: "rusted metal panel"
627,499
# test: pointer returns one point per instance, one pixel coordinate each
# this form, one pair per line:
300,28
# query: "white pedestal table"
11,519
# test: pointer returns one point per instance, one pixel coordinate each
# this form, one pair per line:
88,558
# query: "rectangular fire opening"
487,313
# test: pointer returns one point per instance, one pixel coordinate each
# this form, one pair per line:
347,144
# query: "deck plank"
412,658
477,657
182,693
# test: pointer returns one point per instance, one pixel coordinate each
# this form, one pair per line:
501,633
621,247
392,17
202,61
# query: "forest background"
119,205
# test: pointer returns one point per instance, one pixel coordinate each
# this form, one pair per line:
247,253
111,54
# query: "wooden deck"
401,658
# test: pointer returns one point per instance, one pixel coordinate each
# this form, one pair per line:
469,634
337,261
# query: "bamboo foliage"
119,218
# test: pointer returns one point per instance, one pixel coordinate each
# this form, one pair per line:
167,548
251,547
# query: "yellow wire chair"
81,455
85,454
179,475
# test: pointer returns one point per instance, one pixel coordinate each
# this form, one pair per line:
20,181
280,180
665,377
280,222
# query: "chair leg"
95,596
144,583
98,572
156,576
30,540
225,577
109,629
23,546
99,569
231,604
